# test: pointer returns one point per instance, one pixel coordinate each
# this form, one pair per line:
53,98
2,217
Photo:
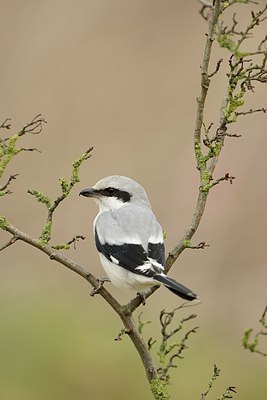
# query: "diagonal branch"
9,243
10,179
124,314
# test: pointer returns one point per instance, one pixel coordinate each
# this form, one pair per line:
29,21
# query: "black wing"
156,251
133,257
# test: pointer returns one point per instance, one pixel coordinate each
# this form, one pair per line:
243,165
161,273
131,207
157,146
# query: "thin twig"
9,243
200,245
168,352
217,68
66,246
229,391
30,149
252,344
226,177
11,178
34,127
251,111
6,124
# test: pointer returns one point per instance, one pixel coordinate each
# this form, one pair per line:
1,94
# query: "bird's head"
116,191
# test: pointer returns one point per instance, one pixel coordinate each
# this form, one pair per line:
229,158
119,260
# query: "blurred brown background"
123,76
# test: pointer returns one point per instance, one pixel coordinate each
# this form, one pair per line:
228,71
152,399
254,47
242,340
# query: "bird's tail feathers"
175,287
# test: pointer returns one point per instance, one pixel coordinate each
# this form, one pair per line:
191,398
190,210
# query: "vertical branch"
240,80
205,80
139,343
200,157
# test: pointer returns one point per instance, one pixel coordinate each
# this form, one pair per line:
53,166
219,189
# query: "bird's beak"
90,192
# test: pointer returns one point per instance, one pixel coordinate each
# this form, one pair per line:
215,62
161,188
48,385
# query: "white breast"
124,279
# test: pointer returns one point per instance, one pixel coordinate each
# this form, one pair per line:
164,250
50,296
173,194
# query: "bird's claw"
101,280
142,297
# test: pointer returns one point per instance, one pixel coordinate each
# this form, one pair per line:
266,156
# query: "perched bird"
128,237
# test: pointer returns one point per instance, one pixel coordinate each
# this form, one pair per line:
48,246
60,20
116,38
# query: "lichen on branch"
8,148
172,346
246,70
66,187
229,392
253,344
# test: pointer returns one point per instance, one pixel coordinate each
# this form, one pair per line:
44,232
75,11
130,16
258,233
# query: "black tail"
175,287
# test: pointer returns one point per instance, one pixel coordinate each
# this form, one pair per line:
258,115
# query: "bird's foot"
142,297
101,280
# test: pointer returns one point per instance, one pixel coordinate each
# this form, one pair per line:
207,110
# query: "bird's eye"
110,190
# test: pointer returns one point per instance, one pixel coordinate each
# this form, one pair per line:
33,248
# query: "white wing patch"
148,266
156,264
114,260
145,267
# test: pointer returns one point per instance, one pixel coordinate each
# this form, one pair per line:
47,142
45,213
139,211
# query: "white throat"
109,204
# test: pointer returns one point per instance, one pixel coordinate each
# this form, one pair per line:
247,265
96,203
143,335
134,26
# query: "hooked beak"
90,192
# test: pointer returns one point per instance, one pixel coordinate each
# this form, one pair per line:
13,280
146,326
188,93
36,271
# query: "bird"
129,238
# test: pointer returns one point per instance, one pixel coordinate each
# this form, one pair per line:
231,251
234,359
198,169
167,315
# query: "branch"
66,246
252,111
227,34
242,75
8,151
241,78
121,311
215,375
8,148
6,124
219,62
9,243
226,177
34,127
66,187
207,161
201,163
252,345
168,352
171,346
229,391
3,190
200,245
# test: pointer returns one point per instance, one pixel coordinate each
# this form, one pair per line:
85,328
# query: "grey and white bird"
128,237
